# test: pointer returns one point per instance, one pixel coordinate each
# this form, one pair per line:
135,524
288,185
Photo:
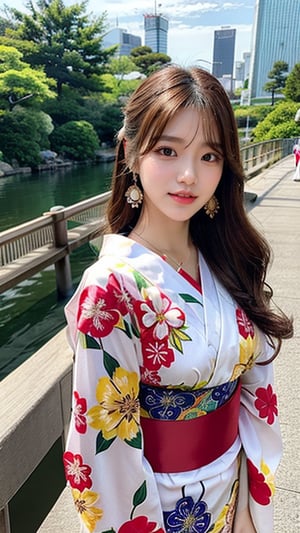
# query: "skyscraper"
276,37
126,41
156,32
224,47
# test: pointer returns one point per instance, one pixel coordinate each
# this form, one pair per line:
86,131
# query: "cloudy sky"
191,23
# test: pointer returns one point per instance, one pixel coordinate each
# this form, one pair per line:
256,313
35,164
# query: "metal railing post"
64,283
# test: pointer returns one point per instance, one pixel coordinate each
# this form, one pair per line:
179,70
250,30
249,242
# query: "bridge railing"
49,239
30,247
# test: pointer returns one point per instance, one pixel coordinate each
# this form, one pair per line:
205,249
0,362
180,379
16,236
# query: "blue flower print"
188,517
223,392
165,404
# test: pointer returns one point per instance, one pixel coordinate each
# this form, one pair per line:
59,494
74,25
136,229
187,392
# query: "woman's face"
181,173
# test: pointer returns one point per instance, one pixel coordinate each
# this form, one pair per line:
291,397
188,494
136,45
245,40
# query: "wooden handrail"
28,248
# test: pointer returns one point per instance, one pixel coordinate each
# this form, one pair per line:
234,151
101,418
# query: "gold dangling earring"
134,194
212,206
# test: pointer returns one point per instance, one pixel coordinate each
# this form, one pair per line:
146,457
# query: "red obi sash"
180,445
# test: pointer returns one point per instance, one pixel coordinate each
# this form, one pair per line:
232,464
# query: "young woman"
174,426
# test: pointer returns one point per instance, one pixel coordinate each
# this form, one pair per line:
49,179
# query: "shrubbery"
23,134
76,140
279,123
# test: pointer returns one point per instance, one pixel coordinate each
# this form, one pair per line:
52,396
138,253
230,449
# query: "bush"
280,123
23,134
76,140
255,113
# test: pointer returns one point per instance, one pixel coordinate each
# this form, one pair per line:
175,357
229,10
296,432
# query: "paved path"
277,213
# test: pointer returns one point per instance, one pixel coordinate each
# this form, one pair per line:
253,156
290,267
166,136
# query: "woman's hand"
243,522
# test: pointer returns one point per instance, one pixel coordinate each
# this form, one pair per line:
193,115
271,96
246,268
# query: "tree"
292,86
19,82
120,66
278,78
66,41
147,61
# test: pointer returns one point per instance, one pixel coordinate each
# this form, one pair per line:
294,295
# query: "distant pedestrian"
296,152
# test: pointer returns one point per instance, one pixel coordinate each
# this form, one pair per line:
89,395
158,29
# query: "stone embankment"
101,156
8,170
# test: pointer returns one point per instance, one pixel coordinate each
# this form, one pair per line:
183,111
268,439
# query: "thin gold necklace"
162,253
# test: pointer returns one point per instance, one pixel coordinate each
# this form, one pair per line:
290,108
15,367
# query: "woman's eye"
167,151
209,157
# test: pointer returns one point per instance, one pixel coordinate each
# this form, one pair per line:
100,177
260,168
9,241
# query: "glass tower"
156,33
223,57
276,37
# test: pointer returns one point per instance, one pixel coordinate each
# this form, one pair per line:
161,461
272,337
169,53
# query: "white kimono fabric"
146,341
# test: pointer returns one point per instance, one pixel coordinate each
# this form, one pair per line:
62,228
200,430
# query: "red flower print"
157,314
156,353
97,314
266,403
244,324
149,376
79,411
77,473
259,489
140,524
121,297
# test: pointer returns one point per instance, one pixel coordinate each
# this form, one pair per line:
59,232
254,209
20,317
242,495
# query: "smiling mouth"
182,195
183,198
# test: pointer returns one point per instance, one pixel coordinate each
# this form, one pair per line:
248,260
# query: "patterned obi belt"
184,430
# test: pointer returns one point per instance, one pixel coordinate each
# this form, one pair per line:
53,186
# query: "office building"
246,60
125,41
156,33
242,69
276,37
223,56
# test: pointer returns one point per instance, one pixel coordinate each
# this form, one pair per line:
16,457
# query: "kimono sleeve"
113,487
260,436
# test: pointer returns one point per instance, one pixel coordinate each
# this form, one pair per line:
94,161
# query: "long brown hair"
236,252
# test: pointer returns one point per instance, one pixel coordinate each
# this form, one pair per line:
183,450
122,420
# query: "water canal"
29,312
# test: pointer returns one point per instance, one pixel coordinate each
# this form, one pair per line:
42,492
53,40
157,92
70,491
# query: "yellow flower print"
117,414
269,476
224,523
247,357
84,503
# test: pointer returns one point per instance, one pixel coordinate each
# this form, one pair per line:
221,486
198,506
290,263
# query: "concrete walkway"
276,212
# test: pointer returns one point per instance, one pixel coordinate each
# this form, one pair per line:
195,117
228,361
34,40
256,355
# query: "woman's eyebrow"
171,138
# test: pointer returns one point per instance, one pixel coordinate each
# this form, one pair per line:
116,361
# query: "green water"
29,312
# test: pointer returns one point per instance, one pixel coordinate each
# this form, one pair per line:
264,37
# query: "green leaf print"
140,495
110,364
190,299
140,280
127,329
92,343
102,444
136,442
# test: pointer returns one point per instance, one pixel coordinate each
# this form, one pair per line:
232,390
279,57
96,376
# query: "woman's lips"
183,197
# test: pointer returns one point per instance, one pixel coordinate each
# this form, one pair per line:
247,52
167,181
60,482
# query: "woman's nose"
187,175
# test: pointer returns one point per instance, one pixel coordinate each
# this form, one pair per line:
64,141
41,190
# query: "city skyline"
190,22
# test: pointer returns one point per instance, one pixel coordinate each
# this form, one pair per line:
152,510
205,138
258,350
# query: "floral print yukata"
147,342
